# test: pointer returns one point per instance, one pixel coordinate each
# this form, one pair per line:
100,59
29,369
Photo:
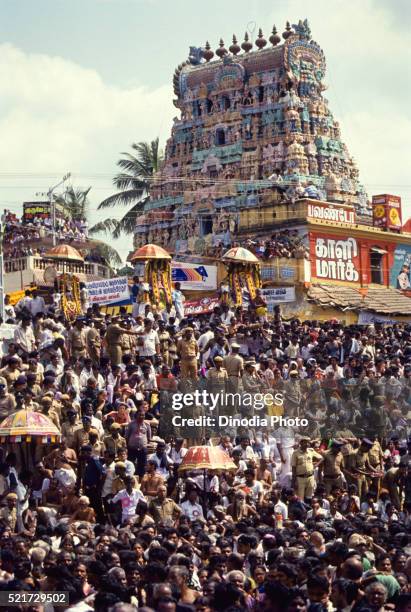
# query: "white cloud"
57,116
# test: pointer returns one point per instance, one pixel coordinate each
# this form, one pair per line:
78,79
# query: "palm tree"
75,203
133,183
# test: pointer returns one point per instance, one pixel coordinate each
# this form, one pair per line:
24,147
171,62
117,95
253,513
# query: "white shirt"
193,511
66,477
24,337
281,508
177,456
204,339
150,342
128,501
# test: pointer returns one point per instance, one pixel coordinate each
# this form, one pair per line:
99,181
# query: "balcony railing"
21,264
15,265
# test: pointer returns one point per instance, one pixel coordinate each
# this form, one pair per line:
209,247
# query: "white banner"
194,277
366,318
278,295
108,291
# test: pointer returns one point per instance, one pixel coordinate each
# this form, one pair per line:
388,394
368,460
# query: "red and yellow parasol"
64,251
150,251
24,425
157,270
207,458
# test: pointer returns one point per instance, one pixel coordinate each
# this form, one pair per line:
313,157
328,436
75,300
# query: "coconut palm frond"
122,198
107,226
109,253
74,201
133,182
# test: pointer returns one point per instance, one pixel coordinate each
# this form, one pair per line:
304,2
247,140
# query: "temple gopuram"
254,129
256,159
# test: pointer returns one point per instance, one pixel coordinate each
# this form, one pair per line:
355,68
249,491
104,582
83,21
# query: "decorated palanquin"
70,296
253,128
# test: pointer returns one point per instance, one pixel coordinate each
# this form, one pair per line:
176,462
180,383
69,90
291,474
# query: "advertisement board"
400,270
194,277
109,291
387,211
335,258
203,306
35,210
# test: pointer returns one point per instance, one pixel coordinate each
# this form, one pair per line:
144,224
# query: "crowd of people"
20,235
286,243
311,517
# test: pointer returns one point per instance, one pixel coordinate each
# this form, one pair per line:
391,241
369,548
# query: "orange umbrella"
207,458
64,251
150,251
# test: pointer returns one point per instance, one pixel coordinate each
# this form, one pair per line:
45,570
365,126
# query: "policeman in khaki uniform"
376,459
331,467
358,467
78,339
234,364
94,341
303,463
187,349
128,343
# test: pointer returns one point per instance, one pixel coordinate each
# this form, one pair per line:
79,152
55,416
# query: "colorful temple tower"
254,130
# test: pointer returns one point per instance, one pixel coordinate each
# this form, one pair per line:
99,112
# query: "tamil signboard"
278,295
335,258
109,291
331,212
203,306
194,277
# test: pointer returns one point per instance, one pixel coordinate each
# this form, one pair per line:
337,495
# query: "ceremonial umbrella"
206,458
240,255
64,251
150,251
24,425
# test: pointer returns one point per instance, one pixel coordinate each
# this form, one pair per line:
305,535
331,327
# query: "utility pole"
53,205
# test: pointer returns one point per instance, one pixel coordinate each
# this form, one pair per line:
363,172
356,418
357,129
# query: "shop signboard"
335,258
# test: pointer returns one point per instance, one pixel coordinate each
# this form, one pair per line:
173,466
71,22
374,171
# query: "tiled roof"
381,299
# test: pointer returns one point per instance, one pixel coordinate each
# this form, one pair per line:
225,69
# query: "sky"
80,80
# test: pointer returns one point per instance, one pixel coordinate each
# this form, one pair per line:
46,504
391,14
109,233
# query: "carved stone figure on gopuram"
253,126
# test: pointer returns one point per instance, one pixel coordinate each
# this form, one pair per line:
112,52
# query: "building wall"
343,256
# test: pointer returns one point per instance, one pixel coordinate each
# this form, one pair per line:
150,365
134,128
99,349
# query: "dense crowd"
286,243
20,234
311,517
